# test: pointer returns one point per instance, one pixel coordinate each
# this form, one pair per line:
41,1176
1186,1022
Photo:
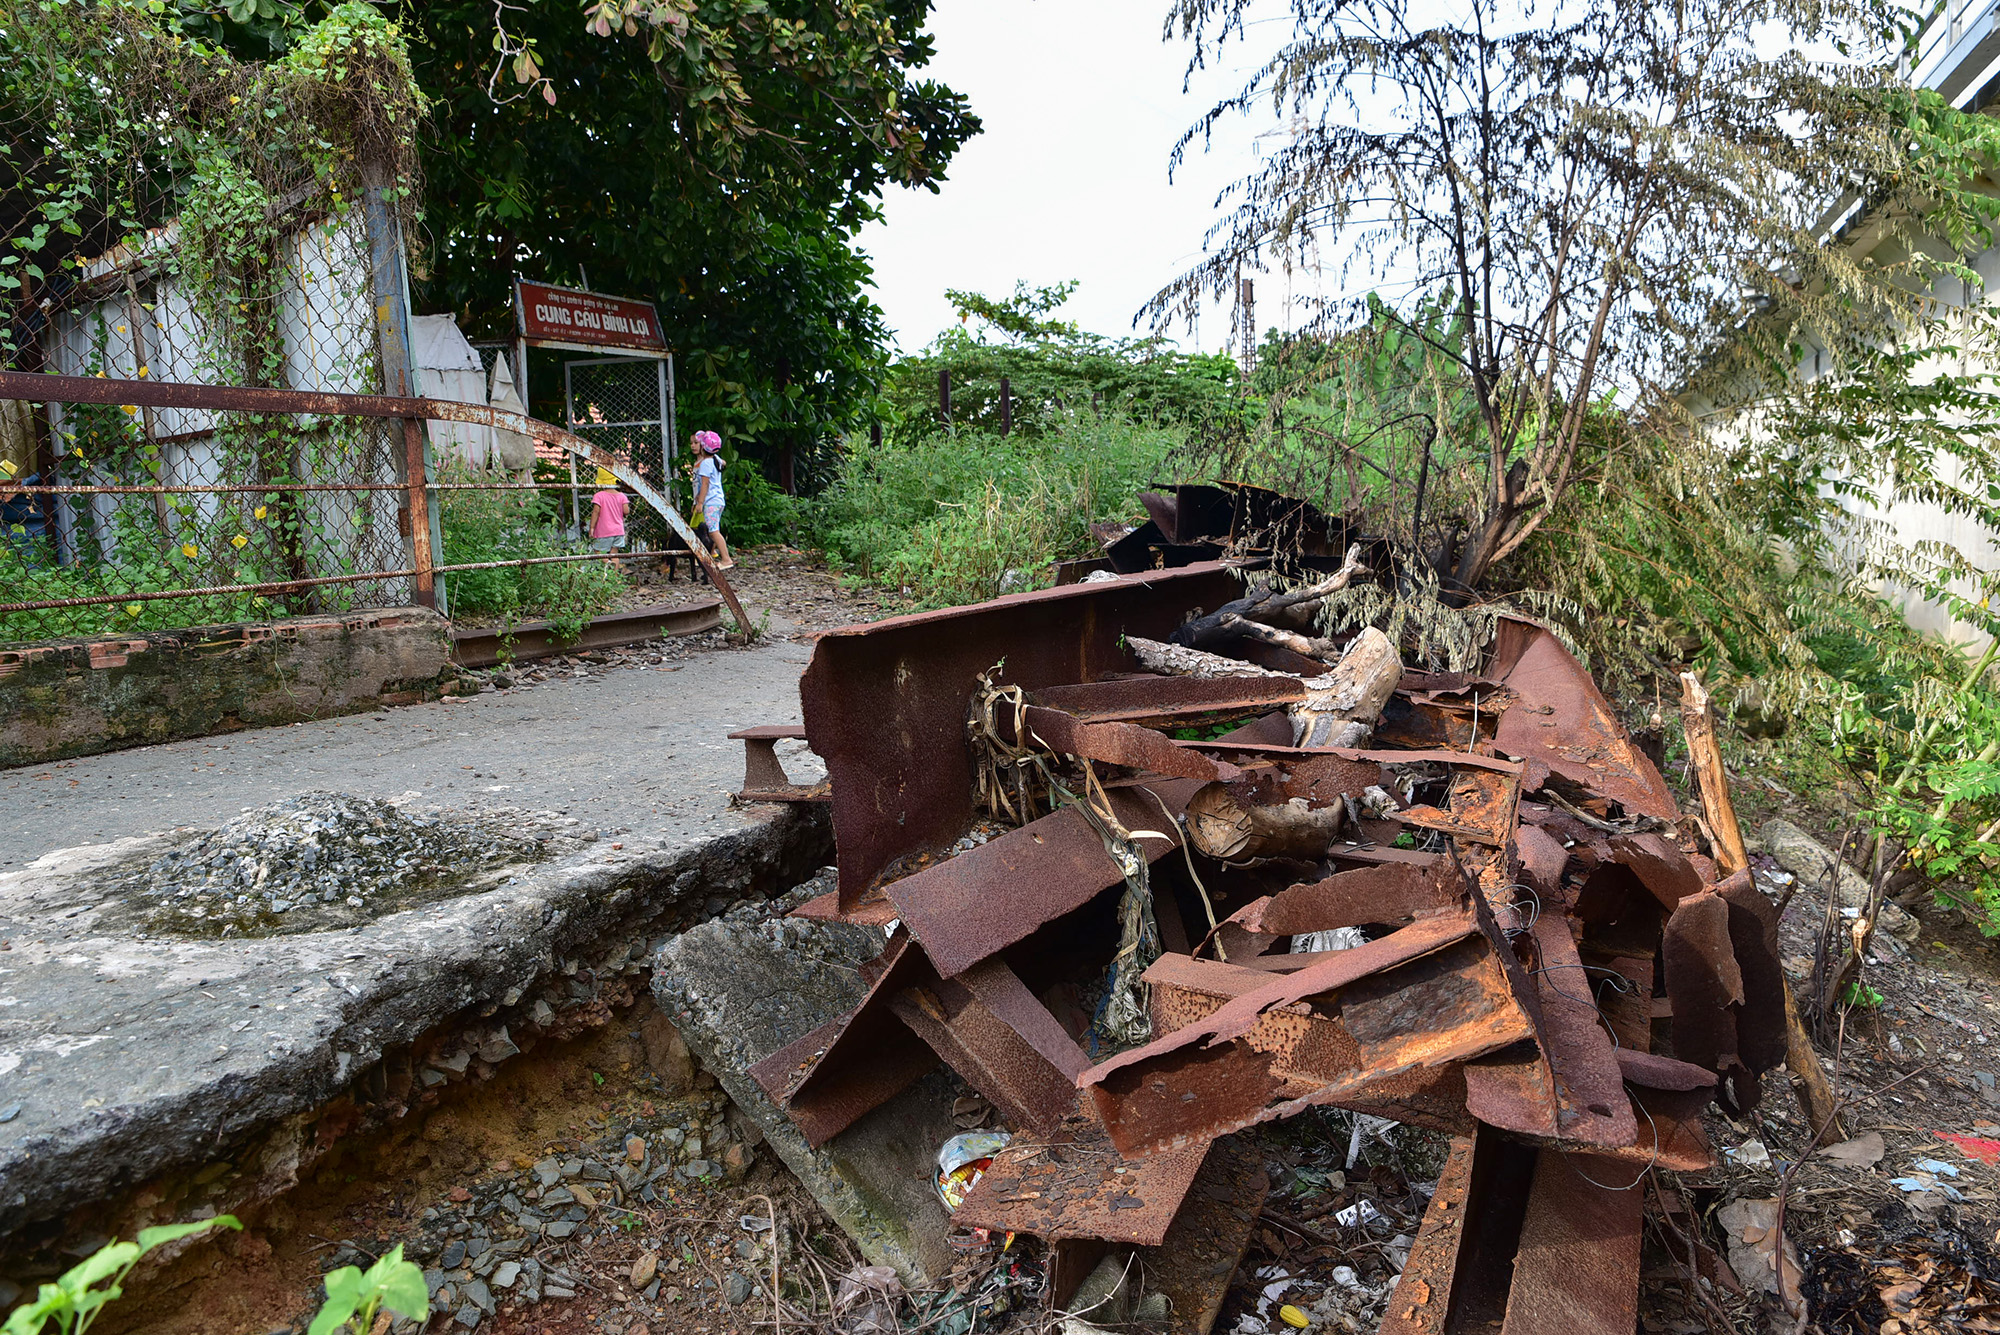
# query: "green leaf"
343,1296
29,1318
105,1262
150,1238
400,1284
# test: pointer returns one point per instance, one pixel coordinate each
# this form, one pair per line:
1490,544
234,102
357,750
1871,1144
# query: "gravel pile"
323,860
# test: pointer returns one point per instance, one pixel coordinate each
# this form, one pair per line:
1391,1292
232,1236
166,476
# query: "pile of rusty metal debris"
1231,871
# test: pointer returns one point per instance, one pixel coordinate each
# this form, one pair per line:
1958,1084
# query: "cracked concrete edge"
425,972
874,1179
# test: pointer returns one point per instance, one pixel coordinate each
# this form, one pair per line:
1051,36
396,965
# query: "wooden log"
1227,622
1341,705
1809,1083
1698,720
1173,660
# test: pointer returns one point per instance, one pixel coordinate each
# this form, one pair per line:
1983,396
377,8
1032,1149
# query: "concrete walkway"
127,1057
638,750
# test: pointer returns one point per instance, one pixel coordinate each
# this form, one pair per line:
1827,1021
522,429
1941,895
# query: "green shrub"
946,517
756,512
513,526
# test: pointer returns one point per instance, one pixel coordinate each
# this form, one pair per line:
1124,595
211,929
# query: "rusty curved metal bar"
36,387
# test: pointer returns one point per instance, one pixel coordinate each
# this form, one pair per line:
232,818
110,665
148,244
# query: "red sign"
567,315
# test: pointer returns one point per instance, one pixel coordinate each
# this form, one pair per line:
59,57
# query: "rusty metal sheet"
1236,1018
1125,744
1561,724
1482,809
1753,938
1542,858
1670,1096
1169,701
1626,1007
1313,1050
849,1093
1388,893
885,704
1029,1091
1199,1258
1593,1109
1703,981
1422,1300
1075,1185
987,898
1263,1055
1577,1266
1659,864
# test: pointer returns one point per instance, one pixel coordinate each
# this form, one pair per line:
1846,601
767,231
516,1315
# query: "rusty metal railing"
417,487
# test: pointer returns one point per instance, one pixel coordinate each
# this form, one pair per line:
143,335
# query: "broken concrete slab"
135,1057
740,991
1808,859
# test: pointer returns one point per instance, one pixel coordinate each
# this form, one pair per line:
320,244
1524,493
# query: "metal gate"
625,407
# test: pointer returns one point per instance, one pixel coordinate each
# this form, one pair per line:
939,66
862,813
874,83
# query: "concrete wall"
80,697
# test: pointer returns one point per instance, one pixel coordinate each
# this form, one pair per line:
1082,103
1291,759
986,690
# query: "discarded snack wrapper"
963,1160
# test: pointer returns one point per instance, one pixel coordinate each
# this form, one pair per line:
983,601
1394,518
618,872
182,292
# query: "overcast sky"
1082,103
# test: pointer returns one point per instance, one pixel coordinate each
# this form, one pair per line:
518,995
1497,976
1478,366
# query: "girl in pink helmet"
708,492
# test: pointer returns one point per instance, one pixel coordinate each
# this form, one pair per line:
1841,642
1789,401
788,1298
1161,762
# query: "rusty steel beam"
862,1059
1391,892
885,704
1031,1093
985,899
845,1097
1427,995
1074,1184
1166,702
1114,743
1422,1301
1577,1266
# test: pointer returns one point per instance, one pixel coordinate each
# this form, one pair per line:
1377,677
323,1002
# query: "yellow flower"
131,609
258,512
187,549
142,373
239,542
128,410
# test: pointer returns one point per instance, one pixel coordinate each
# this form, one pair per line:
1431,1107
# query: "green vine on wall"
117,119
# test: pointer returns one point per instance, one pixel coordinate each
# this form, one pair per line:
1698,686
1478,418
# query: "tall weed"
944,519
512,526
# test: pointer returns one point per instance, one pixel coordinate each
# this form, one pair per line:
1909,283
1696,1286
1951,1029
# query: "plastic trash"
963,1160
1293,1317
1750,1154
1357,1214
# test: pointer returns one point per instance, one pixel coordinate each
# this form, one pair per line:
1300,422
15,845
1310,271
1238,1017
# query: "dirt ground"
413,1183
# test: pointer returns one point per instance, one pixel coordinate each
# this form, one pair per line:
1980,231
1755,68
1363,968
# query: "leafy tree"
1589,204
1056,373
719,159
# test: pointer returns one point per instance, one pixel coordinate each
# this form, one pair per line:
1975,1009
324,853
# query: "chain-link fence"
624,406
208,366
